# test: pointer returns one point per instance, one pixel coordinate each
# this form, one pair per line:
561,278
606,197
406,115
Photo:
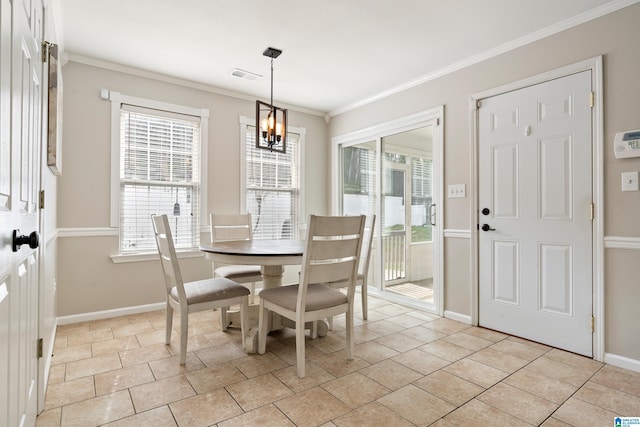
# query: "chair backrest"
365,254
225,228
331,254
168,258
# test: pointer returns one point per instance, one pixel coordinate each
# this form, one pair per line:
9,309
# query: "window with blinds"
159,174
272,186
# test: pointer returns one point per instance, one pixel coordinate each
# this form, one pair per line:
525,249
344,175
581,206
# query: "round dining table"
272,255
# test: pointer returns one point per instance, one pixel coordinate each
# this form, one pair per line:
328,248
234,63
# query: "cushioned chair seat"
210,289
238,271
319,297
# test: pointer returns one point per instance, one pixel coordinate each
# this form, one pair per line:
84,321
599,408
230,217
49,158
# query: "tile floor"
411,369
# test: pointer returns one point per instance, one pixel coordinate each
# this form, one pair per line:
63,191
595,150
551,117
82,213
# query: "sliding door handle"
432,214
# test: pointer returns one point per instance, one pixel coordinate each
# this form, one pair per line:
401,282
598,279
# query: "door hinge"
45,50
593,211
40,350
592,99
593,324
41,199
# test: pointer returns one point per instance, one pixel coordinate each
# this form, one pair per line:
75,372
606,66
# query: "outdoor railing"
394,248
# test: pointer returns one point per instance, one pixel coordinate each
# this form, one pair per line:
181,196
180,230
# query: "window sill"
153,256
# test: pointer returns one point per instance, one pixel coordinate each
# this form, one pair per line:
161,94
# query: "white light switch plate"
630,181
456,190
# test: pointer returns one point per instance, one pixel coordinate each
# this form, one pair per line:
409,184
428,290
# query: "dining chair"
190,297
226,228
331,254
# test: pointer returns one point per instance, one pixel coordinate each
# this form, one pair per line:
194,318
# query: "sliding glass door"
394,174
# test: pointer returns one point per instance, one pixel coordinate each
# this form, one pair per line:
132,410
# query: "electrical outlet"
456,190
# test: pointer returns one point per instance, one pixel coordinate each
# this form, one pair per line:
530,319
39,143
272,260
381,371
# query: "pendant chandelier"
271,121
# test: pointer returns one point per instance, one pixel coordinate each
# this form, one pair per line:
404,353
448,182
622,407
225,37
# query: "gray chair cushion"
238,271
210,289
318,297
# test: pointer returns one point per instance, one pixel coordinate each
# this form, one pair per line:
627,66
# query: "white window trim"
244,122
117,99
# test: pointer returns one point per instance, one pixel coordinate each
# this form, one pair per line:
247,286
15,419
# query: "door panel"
535,176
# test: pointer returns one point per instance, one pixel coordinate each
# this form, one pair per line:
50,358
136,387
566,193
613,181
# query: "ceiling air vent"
247,75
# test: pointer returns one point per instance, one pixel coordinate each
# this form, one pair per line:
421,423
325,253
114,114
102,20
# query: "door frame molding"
595,65
432,116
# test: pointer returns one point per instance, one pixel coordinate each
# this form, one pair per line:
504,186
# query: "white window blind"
159,174
272,187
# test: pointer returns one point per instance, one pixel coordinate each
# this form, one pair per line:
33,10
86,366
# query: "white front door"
535,196
20,142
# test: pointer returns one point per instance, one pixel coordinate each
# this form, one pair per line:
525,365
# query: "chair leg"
365,300
330,322
224,322
262,329
169,311
350,346
184,334
300,356
244,319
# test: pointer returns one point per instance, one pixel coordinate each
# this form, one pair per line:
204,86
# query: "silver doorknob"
33,240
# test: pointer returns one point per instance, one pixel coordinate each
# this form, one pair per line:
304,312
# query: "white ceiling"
336,53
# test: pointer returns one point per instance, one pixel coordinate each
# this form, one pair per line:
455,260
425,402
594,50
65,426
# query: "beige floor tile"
314,375
372,415
71,354
355,389
59,342
421,361
266,416
220,354
258,391
194,342
56,374
390,374
312,407
97,411
416,405
449,387
549,388
552,422
286,350
115,345
69,392
486,334
259,364
217,376
158,417
89,337
423,334
74,328
170,367
132,329
407,321
541,347
517,349
219,337
560,371
475,372
400,342
124,378
575,360
49,418
612,400
153,337
468,341
331,343
578,413
383,327
618,379
93,366
446,350
496,359
392,309
337,363
374,352
476,413
205,409
525,406
361,334
446,326
144,354
110,323
162,392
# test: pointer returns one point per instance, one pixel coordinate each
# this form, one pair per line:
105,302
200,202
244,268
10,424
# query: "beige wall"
88,280
616,37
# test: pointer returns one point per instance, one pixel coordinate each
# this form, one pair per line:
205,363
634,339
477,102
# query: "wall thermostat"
627,144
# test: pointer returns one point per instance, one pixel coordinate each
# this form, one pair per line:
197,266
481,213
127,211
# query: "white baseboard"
458,317
106,314
622,362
